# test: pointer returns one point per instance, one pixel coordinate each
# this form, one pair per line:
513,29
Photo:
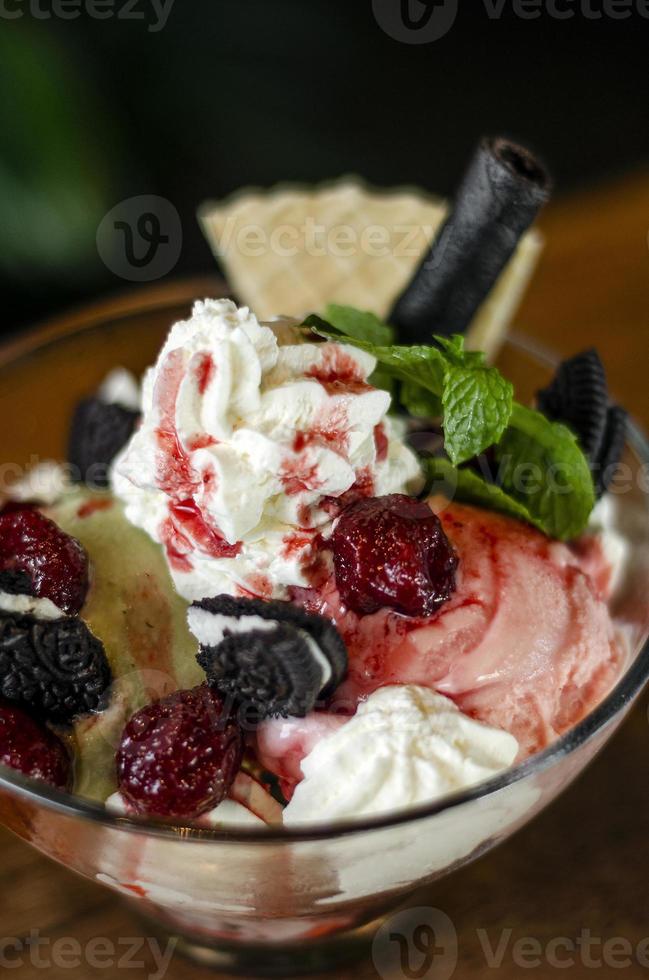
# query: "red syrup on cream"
259,586
201,441
338,372
205,372
186,529
299,476
91,507
381,443
189,520
175,475
296,542
330,430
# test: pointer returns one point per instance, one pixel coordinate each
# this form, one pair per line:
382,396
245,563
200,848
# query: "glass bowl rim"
68,805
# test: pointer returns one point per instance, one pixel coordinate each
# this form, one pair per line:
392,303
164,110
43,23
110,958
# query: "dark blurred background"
234,92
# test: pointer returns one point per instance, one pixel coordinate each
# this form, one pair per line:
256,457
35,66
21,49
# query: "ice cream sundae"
250,600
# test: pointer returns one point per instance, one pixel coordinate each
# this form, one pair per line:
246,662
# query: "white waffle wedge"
293,250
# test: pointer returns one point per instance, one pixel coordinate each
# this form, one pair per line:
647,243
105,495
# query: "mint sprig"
360,324
476,407
468,485
474,400
357,325
542,467
543,476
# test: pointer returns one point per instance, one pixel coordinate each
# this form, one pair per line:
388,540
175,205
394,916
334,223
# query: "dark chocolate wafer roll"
498,199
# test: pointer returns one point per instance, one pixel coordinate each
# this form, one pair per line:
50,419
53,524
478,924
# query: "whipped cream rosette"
247,446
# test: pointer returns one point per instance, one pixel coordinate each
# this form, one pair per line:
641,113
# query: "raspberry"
12,506
179,756
32,749
37,556
392,551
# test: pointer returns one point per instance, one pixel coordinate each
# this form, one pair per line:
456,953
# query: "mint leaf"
467,485
380,378
423,366
543,478
348,325
419,402
542,467
359,324
455,351
321,327
475,400
420,365
476,407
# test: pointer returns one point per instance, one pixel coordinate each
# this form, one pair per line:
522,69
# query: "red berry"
392,551
12,506
179,756
38,557
32,749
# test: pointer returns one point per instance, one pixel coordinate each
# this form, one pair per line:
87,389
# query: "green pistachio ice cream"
133,608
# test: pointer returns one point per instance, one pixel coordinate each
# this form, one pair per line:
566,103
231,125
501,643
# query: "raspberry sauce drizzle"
186,528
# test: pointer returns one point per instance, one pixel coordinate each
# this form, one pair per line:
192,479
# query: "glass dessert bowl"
281,900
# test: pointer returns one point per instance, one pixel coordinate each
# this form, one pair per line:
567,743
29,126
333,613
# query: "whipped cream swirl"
406,745
248,446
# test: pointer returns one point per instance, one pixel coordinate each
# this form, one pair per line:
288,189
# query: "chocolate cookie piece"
99,431
612,448
15,581
578,396
270,655
55,668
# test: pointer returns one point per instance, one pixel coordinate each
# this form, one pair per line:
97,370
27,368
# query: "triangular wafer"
292,250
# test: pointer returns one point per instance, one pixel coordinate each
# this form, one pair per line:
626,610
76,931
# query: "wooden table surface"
582,865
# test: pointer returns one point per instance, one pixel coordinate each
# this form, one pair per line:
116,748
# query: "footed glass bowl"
279,901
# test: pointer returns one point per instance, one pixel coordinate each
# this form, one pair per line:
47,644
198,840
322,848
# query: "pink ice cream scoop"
525,643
